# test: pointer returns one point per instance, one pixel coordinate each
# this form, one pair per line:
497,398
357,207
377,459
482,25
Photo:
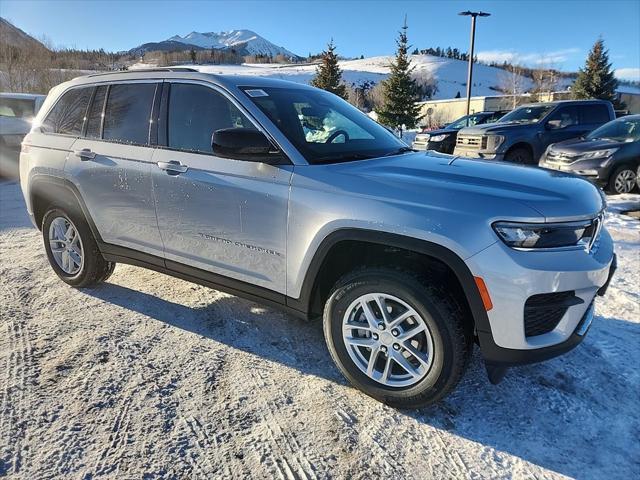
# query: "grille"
543,312
560,157
471,141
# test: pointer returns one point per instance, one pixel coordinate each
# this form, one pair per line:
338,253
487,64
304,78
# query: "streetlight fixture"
473,16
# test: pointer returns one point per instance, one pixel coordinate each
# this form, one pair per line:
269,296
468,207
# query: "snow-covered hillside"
248,41
450,74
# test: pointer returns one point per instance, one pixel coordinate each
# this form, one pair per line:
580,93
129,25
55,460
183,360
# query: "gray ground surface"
152,377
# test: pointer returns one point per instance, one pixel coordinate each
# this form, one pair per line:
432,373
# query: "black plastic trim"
449,258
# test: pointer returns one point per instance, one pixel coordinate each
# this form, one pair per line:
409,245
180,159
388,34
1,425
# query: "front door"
224,216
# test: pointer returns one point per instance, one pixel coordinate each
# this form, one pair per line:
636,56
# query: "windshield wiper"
399,151
345,157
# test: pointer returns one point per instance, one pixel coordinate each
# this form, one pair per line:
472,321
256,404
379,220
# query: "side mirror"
553,124
245,144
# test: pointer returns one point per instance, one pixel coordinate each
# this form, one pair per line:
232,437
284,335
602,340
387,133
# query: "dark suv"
523,135
444,139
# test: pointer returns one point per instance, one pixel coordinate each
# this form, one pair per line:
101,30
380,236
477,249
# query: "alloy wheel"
388,340
625,181
66,245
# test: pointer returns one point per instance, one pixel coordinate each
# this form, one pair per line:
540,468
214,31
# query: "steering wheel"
336,134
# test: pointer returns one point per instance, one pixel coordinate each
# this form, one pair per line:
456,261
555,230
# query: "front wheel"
71,249
519,155
396,337
623,180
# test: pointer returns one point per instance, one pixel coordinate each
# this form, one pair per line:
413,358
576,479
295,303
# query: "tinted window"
527,114
622,130
594,113
128,112
16,107
67,116
195,112
94,117
564,117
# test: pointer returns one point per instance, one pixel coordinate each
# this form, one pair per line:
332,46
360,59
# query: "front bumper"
475,153
513,276
590,169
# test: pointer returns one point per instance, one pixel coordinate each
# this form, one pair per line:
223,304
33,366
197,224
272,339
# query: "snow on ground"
152,377
450,73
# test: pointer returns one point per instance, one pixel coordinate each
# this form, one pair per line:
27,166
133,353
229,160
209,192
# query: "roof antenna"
453,159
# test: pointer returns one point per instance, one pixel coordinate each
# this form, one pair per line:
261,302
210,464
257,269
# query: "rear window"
128,113
67,115
594,113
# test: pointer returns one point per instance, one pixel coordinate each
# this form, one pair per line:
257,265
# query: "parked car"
609,156
16,112
290,196
444,140
523,135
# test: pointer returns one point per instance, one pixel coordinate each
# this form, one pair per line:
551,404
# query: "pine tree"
400,90
192,54
596,80
328,74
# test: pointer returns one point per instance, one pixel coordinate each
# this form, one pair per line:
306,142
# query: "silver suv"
287,195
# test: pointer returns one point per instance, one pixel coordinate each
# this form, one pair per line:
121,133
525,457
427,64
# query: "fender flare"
443,254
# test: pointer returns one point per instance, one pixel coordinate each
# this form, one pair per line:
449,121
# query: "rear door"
111,165
221,215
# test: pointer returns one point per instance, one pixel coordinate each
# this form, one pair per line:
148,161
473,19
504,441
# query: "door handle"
85,154
173,167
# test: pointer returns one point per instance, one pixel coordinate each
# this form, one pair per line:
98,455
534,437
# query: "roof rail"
145,70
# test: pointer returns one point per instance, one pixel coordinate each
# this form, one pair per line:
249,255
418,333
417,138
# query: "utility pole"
473,16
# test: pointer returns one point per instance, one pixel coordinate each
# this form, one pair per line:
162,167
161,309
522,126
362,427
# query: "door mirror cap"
245,144
553,124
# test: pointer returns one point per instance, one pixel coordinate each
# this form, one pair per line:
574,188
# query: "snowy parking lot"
152,377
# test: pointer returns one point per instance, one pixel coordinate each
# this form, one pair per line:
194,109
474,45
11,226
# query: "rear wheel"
519,155
395,337
623,180
71,249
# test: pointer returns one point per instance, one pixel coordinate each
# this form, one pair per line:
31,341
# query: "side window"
564,117
128,113
594,114
94,117
67,115
195,112
322,124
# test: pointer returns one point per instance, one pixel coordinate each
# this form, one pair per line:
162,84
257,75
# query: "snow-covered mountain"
245,41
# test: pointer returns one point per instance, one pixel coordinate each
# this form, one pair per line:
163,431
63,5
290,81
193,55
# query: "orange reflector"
484,293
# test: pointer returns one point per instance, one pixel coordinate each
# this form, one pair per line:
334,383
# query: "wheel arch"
332,251
521,144
46,191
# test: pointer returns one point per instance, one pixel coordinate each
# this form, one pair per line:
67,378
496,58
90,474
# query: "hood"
493,189
581,145
487,128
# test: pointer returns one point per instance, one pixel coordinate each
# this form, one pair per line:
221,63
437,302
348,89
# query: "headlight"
438,138
545,235
494,142
598,154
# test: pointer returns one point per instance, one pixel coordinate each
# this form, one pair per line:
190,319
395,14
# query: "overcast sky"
558,32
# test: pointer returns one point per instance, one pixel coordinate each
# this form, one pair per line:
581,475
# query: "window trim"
164,113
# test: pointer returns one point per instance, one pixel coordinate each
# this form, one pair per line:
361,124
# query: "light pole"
473,16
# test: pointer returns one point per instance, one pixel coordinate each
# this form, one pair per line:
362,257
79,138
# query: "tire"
622,180
519,155
92,268
451,343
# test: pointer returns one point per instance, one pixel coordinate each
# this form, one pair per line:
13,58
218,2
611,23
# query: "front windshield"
16,107
621,130
323,127
530,114
466,121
